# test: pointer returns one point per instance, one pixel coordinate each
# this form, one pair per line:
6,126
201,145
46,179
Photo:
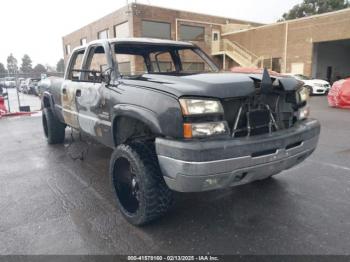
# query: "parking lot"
21,99
52,204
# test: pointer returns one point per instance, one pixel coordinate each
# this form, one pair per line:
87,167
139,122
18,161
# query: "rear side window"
76,63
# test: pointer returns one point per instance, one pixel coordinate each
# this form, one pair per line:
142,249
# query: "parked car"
43,86
253,70
2,82
315,86
20,84
10,82
174,129
339,94
34,87
30,86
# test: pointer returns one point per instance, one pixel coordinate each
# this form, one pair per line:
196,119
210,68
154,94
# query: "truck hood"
218,85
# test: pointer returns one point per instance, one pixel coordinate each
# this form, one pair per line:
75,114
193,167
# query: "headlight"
205,129
200,106
304,94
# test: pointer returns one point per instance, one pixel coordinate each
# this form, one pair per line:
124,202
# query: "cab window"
96,63
75,66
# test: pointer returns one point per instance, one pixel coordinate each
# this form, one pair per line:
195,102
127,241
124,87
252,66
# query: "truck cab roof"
140,40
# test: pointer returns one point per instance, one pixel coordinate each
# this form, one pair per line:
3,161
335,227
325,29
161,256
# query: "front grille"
258,115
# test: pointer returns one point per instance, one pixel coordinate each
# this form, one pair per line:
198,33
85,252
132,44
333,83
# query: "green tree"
3,70
314,7
60,66
26,66
12,67
39,69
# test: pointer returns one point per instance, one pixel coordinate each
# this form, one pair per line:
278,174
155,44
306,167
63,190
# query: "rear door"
69,87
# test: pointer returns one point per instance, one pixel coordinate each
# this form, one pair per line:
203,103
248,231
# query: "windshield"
302,77
135,59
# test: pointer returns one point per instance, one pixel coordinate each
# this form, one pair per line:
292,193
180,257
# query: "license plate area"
258,121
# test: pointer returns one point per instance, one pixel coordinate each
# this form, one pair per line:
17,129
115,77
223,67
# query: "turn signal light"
187,130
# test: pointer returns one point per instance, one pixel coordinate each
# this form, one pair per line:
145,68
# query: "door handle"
78,93
64,91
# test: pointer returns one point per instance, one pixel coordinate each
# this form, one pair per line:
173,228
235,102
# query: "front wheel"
141,191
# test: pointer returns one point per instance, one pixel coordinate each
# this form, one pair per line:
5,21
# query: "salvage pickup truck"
175,122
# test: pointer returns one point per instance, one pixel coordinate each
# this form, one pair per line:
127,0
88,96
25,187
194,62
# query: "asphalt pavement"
52,204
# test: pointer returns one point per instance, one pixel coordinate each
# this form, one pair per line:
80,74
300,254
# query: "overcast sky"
36,27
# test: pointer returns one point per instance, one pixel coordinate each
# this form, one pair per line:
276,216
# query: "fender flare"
142,114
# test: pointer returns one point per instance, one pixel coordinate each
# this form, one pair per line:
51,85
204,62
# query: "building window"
83,41
276,64
156,29
67,49
191,33
103,34
122,30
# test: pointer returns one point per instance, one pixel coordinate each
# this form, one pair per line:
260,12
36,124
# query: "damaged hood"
218,85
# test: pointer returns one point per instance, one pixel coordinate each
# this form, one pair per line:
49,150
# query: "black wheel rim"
126,185
45,126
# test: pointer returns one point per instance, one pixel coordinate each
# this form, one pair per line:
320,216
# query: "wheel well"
310,88
46,102
127,129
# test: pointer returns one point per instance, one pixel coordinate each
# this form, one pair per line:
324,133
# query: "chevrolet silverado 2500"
175,122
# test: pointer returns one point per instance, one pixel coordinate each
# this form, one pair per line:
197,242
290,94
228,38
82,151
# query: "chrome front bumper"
196,166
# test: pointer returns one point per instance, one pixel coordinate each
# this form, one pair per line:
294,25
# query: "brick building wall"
282,45
90,32
293,41
177,18
136,13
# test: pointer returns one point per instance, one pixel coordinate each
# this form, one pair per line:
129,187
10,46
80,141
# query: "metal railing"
237,52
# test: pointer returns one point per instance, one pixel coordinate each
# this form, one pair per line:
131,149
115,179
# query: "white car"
10,82
315,86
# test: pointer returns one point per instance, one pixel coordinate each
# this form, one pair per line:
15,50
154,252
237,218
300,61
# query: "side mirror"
106,76
106,73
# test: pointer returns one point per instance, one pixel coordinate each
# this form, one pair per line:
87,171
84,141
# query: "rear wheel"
54,129
141,191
